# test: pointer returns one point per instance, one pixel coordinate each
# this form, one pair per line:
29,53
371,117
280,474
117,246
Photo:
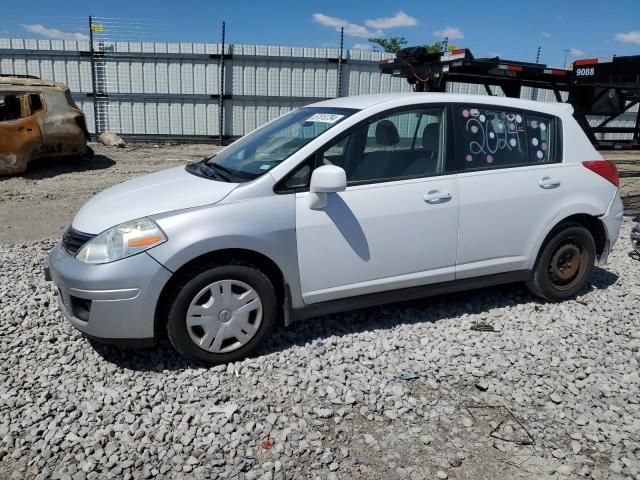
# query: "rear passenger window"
495,138
492,138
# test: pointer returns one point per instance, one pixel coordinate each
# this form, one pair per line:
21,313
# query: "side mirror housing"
325,179
328,178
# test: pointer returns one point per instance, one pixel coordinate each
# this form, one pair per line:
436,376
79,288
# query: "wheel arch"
591,222
265,264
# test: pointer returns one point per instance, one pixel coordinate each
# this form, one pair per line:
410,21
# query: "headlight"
122,241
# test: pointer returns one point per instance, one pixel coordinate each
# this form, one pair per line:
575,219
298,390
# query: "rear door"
511,186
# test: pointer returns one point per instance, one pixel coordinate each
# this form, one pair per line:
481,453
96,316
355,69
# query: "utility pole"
445,47
566,52
534,91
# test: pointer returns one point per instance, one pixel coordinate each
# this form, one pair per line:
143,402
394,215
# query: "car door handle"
548,182
437,196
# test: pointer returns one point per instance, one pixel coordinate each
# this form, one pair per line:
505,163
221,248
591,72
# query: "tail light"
606,169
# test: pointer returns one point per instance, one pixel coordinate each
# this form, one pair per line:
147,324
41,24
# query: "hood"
160,192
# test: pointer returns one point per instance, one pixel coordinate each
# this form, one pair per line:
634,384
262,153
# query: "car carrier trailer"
594,87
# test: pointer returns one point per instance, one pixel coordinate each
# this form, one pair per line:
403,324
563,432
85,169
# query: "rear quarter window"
541,130
35,102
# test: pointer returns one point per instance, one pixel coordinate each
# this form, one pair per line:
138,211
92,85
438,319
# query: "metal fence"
188,91
151,89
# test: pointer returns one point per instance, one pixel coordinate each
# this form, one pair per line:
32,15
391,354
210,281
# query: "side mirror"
325,179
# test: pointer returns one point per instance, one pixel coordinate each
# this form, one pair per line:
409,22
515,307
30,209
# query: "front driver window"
401,145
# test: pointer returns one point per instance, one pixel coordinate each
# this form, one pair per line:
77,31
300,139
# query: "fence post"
339,87
222,89
93,78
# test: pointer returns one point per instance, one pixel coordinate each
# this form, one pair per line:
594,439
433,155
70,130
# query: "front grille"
73,240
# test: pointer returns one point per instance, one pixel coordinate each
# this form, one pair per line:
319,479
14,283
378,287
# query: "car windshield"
258,152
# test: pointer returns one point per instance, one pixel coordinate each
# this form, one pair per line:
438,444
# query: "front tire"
222,313
564,264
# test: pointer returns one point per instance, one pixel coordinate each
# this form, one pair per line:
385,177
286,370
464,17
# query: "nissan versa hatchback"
342,204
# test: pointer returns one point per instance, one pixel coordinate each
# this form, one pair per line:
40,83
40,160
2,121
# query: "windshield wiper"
201,168
219,170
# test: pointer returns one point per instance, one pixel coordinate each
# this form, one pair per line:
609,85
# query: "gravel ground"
401,391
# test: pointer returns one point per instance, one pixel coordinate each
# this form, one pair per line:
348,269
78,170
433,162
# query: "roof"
362,102
29,82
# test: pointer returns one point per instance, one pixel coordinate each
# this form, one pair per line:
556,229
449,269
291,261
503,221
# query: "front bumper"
113,302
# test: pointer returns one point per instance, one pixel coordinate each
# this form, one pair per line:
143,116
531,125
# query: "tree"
438,47
390,45
393,44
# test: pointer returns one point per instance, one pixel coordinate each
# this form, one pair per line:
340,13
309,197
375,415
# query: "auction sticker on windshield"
325,117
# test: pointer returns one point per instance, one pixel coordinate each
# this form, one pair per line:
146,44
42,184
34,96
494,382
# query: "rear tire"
564,264
222,312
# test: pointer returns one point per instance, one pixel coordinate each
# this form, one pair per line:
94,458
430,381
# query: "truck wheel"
222,314
564,263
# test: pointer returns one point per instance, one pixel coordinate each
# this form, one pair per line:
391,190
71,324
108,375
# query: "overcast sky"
491,27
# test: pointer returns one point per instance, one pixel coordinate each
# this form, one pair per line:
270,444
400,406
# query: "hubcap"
566,265
224,316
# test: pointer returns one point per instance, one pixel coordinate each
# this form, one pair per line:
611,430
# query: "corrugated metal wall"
172,89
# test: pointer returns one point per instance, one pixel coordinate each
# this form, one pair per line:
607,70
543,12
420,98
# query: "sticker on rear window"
325,117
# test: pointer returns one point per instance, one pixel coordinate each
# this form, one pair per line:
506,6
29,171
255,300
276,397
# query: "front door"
396,224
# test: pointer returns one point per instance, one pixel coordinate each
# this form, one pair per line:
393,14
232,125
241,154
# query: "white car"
342,204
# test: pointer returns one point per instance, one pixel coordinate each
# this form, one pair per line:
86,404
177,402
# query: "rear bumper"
113,303
612,221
